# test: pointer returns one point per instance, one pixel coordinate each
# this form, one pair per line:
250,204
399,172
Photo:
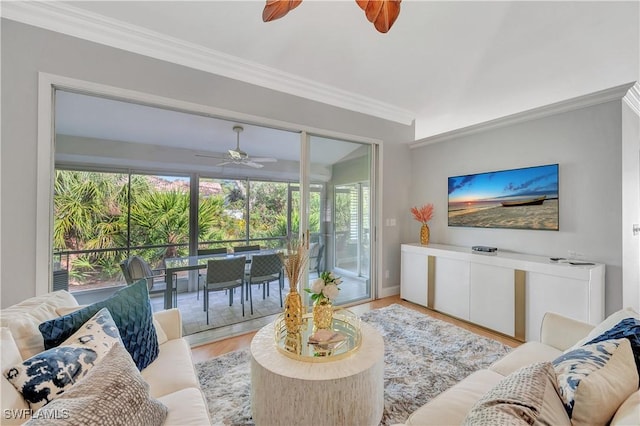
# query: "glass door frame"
305,188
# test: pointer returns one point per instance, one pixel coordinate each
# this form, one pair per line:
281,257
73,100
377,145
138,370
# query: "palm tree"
160,218
212,219
79,199
88,215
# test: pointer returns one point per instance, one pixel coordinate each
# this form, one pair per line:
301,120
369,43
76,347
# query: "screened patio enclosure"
121,190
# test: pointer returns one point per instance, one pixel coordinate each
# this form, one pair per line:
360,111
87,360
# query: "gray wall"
28,50
586,143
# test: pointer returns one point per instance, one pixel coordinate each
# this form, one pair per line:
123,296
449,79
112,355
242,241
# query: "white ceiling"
448,65
94,117
112,120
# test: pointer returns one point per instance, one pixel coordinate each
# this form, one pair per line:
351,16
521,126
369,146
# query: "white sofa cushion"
172,370
23,319
527,396
629,412
594,380
186,408
562,332
11,399
525,354
170,321
452,405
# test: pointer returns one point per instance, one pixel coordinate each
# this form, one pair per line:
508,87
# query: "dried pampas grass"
295,262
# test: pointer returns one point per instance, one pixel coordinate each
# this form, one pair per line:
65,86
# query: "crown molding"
600,97
632,98
76,22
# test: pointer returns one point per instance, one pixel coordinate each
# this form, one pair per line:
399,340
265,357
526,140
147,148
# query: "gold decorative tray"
297,346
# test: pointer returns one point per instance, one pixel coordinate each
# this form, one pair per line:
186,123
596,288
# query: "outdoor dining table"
174,265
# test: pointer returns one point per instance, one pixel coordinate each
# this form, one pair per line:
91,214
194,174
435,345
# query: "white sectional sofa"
171,376
558,334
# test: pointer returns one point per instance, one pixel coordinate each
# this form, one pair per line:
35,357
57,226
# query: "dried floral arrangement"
295,261
423,214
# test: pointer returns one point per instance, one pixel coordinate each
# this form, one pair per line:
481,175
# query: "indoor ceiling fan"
238,156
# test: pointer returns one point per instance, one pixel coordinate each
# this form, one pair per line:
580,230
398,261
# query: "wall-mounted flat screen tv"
524,198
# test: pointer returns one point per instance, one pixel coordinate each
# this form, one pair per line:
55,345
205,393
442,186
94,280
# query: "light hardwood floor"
210,350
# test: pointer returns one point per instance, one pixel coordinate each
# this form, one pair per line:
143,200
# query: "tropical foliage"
95,212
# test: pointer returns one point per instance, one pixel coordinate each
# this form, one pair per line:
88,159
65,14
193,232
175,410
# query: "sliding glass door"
352,228
345,216
127,186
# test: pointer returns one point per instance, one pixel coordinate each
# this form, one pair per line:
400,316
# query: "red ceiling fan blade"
276,9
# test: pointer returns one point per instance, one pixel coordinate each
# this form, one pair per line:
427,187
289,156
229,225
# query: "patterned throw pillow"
628,328
595,379
131,310
525,397
113,393
47,375
607,324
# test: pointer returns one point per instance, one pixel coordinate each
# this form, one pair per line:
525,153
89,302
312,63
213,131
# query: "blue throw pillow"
628,328
131,310
47,375
594,380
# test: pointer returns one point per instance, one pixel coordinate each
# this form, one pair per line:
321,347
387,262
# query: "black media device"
484,249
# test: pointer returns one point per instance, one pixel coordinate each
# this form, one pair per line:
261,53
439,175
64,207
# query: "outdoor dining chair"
224,274
136,268
264,269
202,275
315,257
240,249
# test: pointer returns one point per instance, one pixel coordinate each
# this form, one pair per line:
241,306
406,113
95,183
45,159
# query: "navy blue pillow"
131,310
628,328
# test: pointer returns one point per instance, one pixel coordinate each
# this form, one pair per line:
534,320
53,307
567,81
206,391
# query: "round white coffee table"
285,391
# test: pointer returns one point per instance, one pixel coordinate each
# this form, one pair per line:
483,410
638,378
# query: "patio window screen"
101,218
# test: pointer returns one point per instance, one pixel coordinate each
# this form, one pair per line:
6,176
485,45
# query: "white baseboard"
389,291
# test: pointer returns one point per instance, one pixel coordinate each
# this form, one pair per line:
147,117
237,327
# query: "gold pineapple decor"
294,261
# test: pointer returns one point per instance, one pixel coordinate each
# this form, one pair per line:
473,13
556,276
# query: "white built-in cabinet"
451,286
414,269
492,297
504,291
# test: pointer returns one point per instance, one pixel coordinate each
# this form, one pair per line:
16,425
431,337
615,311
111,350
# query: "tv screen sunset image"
524,198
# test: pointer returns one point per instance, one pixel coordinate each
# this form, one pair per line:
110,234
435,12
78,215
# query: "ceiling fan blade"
276,9
252,164
224,163
263,160
381,13
208,156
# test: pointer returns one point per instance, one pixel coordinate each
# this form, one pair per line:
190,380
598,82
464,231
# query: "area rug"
423,357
